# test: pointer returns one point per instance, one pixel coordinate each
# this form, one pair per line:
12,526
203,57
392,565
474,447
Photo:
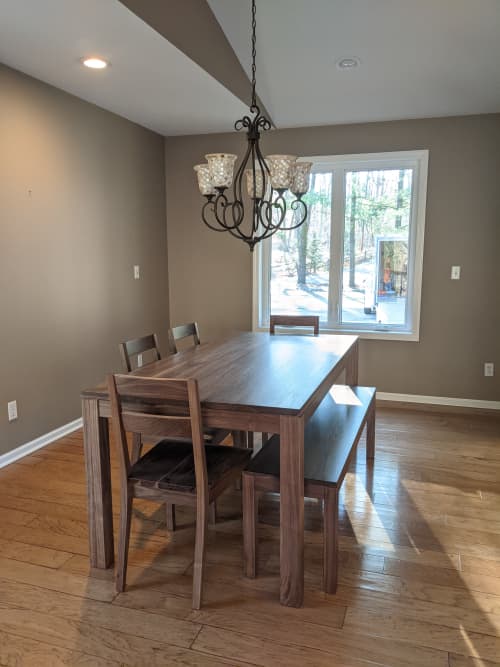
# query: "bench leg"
170,516
331,543
249,498
370,434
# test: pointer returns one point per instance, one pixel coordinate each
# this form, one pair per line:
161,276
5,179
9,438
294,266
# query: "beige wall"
210,274
82,199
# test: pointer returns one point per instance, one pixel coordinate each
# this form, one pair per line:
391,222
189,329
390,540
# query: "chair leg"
136,447
370,434
170,516
239,438
250,510
199,552
123,540
212,514
330,540
250,439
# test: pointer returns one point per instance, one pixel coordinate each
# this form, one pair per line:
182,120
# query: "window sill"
408,336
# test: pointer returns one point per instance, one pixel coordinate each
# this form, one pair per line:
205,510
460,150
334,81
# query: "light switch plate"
455,273
12,410
137,271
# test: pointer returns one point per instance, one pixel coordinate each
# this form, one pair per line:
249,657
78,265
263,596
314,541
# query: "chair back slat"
131,348
183,331
294,321
160,426
150,388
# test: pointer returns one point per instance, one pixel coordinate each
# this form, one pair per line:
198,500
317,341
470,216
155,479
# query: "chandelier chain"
254,55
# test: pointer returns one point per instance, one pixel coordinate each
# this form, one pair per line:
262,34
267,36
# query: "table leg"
98,470
351,369
292,511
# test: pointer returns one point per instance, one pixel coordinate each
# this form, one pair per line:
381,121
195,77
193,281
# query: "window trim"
415,159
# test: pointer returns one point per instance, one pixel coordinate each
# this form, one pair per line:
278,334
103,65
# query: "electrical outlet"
489,369
12,410
137,272
139,360
455,273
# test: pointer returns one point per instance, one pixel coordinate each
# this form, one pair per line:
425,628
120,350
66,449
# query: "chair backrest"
157,407
132,348
294,321
183,331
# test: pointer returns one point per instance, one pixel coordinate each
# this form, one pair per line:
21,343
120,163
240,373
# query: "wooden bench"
330,441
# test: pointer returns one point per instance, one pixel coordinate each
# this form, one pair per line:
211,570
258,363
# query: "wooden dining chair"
294,321
129,352
139,346
192,331
173,471
301,321
181,332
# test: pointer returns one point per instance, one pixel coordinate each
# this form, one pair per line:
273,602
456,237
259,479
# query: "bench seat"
330,440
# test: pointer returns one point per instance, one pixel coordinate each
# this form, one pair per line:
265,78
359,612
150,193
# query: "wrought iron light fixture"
267,180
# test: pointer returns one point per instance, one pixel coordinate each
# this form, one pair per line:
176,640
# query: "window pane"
300,259
376,236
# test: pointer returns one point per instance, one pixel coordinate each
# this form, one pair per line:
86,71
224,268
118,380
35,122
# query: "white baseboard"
38,443
439,400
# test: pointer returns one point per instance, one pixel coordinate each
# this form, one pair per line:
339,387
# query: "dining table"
248,381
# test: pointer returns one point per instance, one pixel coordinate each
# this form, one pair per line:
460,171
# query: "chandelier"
267,181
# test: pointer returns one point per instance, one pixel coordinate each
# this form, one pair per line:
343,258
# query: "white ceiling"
419,58
150,81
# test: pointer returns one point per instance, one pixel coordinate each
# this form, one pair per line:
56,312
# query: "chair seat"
170,465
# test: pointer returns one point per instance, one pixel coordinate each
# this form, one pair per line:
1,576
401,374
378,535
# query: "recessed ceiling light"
95,63
348,63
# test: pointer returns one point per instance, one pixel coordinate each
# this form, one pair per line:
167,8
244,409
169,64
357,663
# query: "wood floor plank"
111,617
349,651
56,580
18,651
456,640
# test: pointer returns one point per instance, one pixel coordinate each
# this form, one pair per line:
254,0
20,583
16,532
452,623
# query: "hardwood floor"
419,566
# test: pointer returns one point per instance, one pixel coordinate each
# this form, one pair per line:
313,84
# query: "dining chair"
149,344
129,352
173,471
192,330
139,346
301,321
181,332
294,321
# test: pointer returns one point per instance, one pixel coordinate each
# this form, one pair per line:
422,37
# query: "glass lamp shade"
204,179
280,168
221,166
300,177
259,184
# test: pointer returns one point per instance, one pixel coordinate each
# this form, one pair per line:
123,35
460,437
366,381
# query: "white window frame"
340,164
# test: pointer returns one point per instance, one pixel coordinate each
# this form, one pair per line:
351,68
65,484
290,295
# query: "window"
357,260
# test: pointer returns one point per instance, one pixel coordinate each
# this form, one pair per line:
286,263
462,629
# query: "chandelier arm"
210,205
294,206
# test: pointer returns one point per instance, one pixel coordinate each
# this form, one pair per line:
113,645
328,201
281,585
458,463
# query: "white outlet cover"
455,273
137,271
489,369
